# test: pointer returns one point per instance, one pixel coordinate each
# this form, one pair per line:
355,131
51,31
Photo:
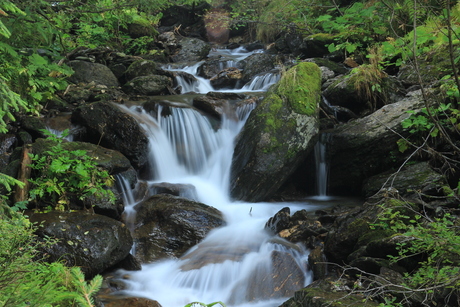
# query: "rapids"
186,149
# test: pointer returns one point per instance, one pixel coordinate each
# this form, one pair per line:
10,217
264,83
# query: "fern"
85,290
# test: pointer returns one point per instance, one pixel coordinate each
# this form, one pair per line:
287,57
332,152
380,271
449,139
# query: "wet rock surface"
167,226
91,241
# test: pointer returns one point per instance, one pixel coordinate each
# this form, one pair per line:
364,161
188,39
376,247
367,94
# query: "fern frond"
85,290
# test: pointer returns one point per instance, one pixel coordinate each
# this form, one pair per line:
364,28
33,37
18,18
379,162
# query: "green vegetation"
65,174
26,280
37,36
433,244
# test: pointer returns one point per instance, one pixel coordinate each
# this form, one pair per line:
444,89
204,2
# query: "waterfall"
186,149
321,165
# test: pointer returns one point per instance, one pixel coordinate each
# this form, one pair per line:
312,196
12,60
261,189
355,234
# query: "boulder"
91,241
86,72
227,78
256,64
362,148
349,91
406,182
149,85
212,106
193,50
212,67
167,226
141,68
278,135
109,126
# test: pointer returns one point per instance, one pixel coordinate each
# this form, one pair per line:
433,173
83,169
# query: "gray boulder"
86,72
361,148
277,135
256,64
149,85
193,50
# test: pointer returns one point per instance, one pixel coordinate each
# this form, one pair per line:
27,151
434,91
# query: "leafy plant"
418,123
25,280
67,173
435,242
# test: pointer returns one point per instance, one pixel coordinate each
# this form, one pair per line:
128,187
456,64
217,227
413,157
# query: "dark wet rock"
254,46
185,15
175,189
91,241
327,292
212,67
283,280
212,106
153,106
279,221
86,72
317,263
192,50
344,92
33,125
256,64
129,263
290,42
109,126
167,226
227,78
406,182
316,45
278,135
360,148
149,85
142,68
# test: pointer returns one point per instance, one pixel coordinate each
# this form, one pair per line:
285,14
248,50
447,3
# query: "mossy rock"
278,134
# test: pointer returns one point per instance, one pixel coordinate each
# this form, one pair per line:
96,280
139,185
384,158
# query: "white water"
322,171
230,58
185,149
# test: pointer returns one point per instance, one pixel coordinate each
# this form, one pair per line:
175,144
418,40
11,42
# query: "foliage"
435,242
357,27
422,123
25,280
65,174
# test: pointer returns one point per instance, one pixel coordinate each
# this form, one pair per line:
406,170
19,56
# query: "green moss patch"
301,87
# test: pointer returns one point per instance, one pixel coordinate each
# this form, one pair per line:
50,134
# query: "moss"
373,235
323,37
301,87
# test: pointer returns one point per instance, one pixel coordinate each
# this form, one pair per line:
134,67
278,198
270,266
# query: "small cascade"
240,264
262,82
201,85
129,202
321,165
197,84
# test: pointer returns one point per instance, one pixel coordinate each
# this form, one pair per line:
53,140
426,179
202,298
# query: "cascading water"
321,166
240,272
231,58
